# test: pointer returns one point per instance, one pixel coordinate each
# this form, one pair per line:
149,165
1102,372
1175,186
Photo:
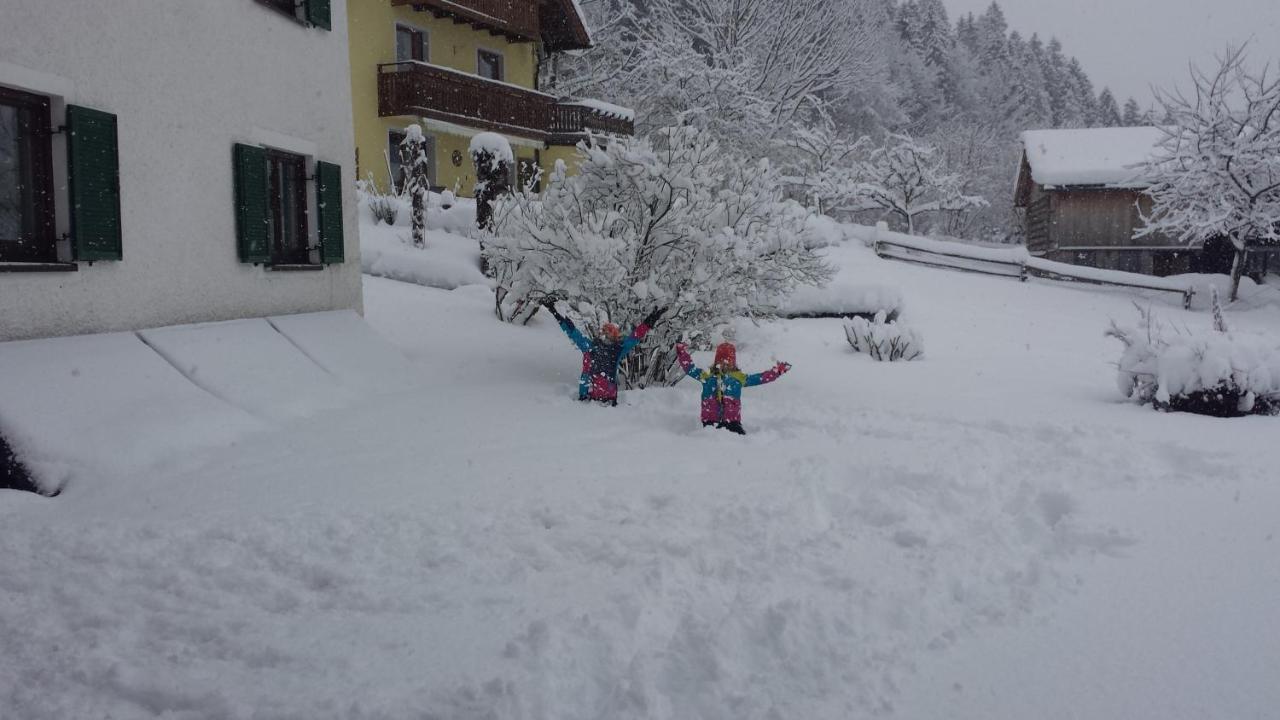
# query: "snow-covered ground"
990,532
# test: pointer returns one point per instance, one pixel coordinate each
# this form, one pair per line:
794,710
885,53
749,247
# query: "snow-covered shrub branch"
883,341
673,223
1217,171
1212,372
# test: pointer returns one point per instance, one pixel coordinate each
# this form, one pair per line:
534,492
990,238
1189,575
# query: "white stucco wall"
186,80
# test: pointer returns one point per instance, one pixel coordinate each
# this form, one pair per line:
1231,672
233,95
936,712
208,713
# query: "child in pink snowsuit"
722,386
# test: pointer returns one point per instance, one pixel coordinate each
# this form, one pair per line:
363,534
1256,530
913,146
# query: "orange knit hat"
726,356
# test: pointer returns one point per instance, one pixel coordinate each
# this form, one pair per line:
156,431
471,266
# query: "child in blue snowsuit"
601,357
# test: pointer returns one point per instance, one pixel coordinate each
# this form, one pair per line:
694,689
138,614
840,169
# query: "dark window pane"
393,153
411,44
287,218
405,42
26,179
12,206
489,65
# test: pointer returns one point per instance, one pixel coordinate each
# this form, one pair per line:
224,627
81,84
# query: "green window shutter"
329,203
251,204
93,165
320,14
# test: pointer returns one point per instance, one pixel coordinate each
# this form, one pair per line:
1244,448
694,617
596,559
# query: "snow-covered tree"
416,184
1133,116
674,223
907,178
1217,171
823,161
744,69
1108,110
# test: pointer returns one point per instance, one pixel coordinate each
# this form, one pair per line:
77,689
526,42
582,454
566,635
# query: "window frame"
42,246
421,39
280,252
501,64
394,158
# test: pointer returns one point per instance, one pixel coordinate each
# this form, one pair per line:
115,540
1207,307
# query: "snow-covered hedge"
884,341
1210,372
845,298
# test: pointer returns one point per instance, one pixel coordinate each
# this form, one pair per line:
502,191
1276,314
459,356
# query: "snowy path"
484,547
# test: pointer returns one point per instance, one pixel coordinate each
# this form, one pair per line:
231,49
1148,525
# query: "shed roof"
1109,157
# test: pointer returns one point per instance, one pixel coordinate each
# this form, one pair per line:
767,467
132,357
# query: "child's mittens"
782,368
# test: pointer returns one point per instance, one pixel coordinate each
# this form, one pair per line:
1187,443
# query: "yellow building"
462,67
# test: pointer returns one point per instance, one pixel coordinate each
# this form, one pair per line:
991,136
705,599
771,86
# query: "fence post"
1186,298
881,227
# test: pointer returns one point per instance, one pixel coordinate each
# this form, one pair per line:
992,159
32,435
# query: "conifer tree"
1108,110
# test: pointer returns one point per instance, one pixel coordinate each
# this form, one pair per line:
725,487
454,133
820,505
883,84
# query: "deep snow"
991,532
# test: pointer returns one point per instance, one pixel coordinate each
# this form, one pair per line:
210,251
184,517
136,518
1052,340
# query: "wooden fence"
1007,263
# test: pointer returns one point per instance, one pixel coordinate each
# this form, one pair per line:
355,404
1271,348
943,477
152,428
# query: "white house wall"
186,81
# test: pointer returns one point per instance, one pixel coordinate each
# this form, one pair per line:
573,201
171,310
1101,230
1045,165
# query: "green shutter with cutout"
329,204
320,14
93,180
251,204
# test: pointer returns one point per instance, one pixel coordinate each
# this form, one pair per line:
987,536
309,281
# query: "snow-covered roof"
1111,157
606,108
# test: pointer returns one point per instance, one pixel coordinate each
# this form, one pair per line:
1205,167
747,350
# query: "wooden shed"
1083,194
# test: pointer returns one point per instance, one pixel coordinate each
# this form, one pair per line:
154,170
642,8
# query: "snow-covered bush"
493,159
1213,372
673,222
884,341
384,207
843,298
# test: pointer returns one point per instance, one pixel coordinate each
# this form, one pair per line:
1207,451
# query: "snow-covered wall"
186,81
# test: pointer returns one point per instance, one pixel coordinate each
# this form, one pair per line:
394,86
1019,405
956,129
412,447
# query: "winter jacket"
600,361
722,390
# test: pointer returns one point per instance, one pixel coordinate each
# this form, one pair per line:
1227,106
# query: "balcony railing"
517,19
569,121
431,91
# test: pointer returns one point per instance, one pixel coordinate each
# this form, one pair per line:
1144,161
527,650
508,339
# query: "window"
287,208
318,13
26,179
411,44
271,209
489,64
394,138
289,7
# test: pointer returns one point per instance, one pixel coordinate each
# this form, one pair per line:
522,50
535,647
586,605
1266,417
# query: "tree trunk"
1237,271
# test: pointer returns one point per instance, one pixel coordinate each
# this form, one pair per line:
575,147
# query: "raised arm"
769,375
569,328
640,331
686,363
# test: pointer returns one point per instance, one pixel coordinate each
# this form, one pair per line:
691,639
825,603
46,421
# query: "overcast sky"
1129,45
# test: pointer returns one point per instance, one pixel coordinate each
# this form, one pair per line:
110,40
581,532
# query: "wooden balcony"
431,91
517,20
555,23
570,122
